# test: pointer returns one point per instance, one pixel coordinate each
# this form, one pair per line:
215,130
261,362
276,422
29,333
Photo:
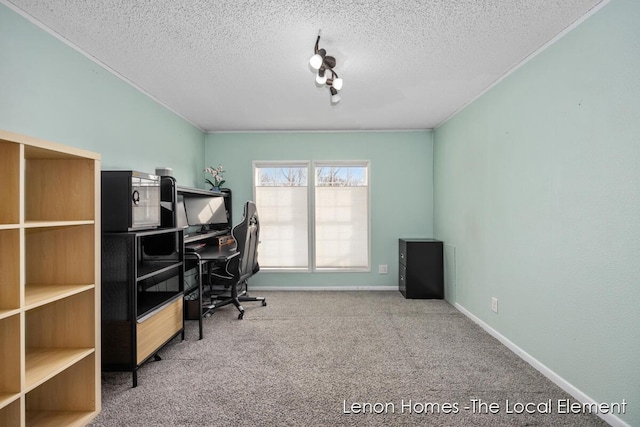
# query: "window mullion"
311,183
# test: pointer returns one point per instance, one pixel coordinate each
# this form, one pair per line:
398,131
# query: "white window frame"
306,164
312,243
311,167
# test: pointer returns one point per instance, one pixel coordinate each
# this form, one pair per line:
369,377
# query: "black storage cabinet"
421,272
142,285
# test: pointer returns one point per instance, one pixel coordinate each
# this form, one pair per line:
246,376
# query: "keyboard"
194,247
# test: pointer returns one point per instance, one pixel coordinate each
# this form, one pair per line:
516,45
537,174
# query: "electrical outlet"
383,269
494,304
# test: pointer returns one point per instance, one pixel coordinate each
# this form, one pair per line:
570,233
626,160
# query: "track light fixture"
324,64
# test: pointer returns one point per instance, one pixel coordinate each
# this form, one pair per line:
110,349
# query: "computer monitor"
181,215
206,212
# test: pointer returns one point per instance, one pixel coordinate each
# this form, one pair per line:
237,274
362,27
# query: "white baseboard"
258,288
555,378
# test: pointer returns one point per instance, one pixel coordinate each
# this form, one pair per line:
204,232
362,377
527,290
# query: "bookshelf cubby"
10,413
49,283
9,361
54,402
10,272
10,177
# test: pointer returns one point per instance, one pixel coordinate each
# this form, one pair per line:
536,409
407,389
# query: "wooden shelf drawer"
153,331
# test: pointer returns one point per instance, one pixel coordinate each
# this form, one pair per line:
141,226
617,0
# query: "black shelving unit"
142,291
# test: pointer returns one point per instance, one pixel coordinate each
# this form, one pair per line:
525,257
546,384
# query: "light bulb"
316,61
321,79
335,98
337,83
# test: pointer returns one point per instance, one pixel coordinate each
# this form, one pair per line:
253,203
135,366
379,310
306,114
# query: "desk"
210,254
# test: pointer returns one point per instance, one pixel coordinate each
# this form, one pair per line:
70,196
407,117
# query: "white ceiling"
243,65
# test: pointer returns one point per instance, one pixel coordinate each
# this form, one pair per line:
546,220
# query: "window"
317,224
281,195
341,216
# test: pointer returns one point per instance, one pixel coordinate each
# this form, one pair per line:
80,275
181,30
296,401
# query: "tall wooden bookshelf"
49,283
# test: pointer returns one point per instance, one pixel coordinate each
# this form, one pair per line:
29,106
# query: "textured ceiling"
242,65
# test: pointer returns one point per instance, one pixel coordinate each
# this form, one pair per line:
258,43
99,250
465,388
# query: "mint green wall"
401,189
49,90
537,192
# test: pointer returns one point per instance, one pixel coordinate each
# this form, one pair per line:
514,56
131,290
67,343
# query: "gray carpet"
298,360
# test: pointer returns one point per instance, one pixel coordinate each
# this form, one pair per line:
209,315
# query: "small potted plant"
216,177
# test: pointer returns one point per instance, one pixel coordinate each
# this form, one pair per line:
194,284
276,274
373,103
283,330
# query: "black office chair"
240,268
